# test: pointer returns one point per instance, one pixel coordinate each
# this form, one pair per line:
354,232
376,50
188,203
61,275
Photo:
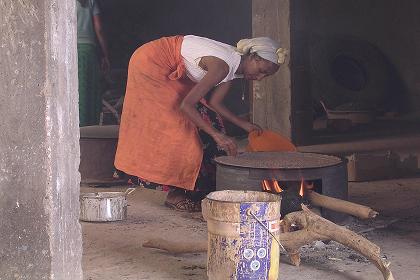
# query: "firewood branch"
174,247
313,227
339,205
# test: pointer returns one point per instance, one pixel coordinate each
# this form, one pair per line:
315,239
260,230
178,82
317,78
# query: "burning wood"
292,199
291,202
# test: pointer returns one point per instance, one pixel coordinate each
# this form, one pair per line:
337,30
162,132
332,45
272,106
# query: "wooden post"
271,102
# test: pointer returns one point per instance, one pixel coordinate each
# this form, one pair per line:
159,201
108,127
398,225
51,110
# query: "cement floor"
114,251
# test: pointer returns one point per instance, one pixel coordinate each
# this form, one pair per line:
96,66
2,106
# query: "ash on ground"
322,252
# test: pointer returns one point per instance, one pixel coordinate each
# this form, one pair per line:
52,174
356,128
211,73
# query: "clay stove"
248,171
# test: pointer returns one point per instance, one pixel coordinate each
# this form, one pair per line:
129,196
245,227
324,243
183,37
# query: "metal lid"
102,195
279,160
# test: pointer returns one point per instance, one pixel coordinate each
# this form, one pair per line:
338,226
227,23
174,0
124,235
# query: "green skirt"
90,96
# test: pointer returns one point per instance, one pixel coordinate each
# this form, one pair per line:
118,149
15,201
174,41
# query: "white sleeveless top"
193,48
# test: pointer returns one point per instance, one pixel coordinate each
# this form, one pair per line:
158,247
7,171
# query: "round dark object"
349,73
347,70
279,160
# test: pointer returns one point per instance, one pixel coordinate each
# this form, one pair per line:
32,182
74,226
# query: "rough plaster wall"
40,234
272,100
393,26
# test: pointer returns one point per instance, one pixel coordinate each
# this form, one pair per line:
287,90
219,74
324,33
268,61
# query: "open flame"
305,186
271,185
302,187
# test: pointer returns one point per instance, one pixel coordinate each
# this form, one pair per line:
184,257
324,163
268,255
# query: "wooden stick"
338,205
313,227
176,247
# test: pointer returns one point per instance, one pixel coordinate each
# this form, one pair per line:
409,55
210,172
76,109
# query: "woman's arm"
217,70
100,34
216,102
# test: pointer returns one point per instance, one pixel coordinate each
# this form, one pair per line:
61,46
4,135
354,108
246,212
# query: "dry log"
311,228
338,205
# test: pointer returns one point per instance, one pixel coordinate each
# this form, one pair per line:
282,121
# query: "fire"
305,186
302,187
271,185
277,186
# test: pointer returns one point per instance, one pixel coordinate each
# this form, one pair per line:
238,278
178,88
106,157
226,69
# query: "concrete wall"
392,26
40,234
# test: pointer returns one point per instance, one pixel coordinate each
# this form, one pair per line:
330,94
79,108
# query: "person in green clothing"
89,34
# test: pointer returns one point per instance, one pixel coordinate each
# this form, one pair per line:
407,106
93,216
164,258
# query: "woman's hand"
252,127
226,143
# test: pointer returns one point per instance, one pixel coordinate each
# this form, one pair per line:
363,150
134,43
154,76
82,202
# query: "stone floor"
114,251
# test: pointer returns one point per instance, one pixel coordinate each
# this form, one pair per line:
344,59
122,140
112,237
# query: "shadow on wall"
131,23
349,73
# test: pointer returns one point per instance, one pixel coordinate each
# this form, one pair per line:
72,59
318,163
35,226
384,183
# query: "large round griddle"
279,160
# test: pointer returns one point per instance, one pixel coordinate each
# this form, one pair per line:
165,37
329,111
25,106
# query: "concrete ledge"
400,143
376,159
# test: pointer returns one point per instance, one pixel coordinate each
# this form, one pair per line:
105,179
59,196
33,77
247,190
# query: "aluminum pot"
104,206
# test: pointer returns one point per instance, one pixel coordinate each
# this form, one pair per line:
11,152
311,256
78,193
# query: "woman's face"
258,68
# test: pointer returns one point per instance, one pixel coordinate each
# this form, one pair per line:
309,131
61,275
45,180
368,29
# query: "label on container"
257,254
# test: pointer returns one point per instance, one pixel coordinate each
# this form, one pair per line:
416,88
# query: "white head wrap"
265,47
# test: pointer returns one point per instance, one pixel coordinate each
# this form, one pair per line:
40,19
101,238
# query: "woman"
90,31
169,132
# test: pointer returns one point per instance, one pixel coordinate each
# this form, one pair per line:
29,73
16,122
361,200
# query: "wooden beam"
271,100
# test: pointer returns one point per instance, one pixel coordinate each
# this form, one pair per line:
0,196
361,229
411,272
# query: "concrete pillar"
272,101
40,235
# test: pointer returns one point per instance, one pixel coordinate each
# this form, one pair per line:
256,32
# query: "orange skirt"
157,141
